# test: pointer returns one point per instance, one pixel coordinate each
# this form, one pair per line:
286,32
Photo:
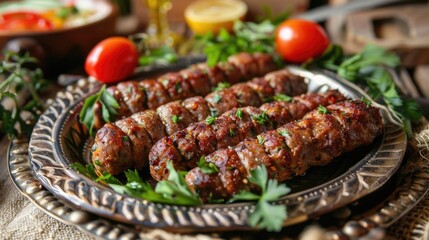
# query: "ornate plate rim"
76,189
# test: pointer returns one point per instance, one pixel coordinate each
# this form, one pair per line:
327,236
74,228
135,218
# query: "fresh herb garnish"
366,101
109,105
216,98
266,215
161,55
284,133
261,139
207,168
176,189
322,109
176,119
368,67
261,119
231,132
239,113
210,120
246,37
213,112
18,78
87,170
282,97
221,86
171,191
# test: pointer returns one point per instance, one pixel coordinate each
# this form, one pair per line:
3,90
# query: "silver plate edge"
83,194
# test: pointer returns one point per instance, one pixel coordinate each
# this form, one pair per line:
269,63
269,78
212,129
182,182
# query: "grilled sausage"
229,129
289,150
198,79
177,115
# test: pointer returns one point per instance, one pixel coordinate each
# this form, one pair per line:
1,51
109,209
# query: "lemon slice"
211,15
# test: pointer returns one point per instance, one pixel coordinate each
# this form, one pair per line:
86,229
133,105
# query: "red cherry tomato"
112,60
24,21
299,40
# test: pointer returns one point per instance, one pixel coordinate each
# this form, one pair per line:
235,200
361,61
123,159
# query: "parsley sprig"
246,37
171,191
175,190
266,215
18,78
109,107
207,168
369,68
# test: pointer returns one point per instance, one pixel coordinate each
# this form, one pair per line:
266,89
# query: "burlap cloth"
20,219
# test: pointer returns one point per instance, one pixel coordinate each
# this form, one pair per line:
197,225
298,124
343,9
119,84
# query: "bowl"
61,49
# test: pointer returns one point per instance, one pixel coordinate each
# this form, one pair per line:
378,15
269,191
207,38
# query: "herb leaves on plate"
370,69
266,215
175,190
17,80
108,103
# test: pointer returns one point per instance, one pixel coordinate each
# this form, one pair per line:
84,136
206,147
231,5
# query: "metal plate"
58,139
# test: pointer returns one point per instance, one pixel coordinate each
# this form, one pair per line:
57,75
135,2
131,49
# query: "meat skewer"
125,144
198,79
290,149
184,148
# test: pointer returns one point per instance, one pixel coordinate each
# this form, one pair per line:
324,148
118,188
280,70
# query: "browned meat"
133,96
198,107
280,86
174,116
231,72
112,150
291,149
246,63
155,93
176,86
222,101
168,151
233,126
214,74
263,88
265,63
196,80
233,176
246,96
151,122
139,138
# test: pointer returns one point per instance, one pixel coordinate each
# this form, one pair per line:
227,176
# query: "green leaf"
261,118
267,216
161,55
323,110
210,120
108,178
88,170
109,107
275,190
239,113
207,168
176,187
244,196
221,86
176,119
282,97
259,176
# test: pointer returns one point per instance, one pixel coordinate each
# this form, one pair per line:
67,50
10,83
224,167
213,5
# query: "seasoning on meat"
290,150
177,115
199,79
201,138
